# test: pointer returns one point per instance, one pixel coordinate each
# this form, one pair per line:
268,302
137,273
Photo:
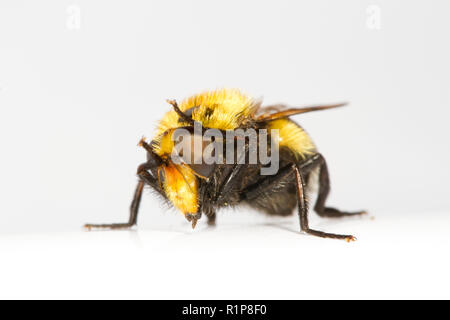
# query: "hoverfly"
203,188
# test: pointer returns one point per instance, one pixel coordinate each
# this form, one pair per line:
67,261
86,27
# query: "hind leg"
262,194
274,195
324,190
303,212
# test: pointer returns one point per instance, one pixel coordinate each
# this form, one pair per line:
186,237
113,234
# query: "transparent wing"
279,111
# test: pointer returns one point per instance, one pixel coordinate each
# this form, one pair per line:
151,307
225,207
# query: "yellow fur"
180,186
163,144
293,137
228,108
223,109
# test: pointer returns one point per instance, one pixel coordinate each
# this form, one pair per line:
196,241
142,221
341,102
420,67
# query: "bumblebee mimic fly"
222,148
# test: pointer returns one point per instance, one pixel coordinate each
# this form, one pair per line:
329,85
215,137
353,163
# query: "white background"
77,92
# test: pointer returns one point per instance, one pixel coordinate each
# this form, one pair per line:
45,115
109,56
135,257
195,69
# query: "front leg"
324,189
134,209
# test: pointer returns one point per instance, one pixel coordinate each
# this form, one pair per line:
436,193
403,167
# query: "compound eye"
192,150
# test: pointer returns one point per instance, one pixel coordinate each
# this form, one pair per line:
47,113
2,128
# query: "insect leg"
206,206
229,183
303,211
212,219
324,190
268,184
134,208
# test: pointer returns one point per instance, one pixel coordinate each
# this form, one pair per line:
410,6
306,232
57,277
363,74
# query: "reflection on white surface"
394,257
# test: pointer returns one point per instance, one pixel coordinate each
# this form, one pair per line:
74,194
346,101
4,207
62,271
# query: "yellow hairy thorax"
223,109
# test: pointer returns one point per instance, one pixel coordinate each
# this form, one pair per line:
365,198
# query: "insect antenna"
142,143
182,115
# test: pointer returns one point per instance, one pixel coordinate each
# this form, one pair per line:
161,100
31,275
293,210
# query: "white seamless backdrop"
81,81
